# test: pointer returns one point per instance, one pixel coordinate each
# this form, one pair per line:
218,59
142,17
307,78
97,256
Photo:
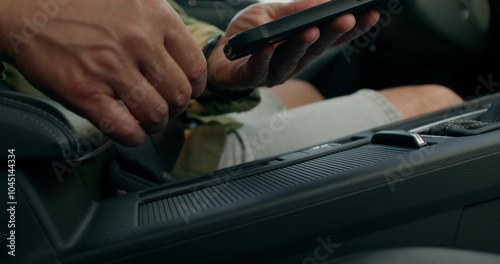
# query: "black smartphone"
244,43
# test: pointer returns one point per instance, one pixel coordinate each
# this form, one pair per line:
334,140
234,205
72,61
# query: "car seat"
419,256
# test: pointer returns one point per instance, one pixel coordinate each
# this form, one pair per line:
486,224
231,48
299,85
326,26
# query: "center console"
399,185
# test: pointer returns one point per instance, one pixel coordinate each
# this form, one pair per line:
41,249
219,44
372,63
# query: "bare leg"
410,101
295,93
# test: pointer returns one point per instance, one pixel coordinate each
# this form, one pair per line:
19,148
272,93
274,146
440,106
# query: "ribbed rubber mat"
264,183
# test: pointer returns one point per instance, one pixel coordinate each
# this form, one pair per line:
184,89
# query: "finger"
330,33
288,55
365,23
170,80
254,72
162,72
186,54
107,114
142,100
296,6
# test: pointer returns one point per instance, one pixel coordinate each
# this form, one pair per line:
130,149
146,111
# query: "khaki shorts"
270,129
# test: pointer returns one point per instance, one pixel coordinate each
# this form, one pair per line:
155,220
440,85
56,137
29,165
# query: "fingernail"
311,43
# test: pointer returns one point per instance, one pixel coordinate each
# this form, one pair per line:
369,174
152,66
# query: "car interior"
425,189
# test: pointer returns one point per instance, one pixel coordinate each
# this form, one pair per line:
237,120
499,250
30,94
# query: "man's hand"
274,64
98,57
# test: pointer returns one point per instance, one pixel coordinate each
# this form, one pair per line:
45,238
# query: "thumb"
296,6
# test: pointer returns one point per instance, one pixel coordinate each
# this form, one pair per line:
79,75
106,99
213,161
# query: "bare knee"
295,93
413,101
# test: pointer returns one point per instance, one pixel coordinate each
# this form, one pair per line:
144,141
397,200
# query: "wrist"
217,92
209,49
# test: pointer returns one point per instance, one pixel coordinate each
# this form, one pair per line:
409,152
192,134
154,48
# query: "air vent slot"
263,184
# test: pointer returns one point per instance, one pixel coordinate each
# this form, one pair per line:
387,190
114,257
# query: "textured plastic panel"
263,183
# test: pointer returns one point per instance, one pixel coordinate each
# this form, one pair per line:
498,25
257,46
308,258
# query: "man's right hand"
93,56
